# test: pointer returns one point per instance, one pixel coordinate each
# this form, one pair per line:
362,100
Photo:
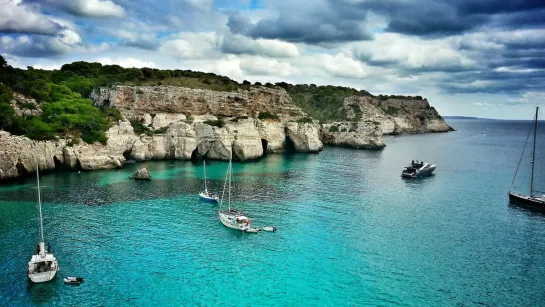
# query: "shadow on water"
515,207
43,293
418,181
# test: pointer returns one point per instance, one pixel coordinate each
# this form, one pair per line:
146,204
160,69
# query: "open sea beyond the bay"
351,231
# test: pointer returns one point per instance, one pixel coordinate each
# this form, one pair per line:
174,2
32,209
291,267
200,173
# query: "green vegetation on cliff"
321,102
67,112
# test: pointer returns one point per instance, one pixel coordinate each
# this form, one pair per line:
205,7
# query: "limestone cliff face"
19,156
363,135
396,116
192,123
136,100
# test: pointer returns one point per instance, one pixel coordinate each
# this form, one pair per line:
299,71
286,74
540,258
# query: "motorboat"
207,195
73,280
534,200
418,169
43,265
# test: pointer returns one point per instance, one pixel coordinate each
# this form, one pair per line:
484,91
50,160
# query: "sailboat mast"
534,155
40,204
230,172
204,161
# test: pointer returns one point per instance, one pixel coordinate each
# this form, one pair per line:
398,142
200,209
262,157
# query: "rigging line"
522,155
224,184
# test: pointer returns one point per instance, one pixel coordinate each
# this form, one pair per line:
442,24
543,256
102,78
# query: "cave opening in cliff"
78,165
58,163
21,169
265,145
289,146
127,154
195,155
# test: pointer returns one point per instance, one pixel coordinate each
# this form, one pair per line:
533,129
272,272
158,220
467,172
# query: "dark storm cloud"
344,20
321,27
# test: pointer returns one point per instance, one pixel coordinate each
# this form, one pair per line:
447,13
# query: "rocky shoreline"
187,124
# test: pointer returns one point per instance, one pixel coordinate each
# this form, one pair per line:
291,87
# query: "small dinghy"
271,229
73,280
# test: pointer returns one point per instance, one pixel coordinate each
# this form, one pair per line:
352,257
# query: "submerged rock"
141,174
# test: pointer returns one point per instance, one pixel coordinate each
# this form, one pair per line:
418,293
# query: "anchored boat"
418,169
207,195
535,200
43,266
232,218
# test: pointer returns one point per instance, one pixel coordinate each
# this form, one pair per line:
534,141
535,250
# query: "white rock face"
274,133
305,137
20,155
163,120
247,141
363,135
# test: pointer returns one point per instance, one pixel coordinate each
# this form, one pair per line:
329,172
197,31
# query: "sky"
483,58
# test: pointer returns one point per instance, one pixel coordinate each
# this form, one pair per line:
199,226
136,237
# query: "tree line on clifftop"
67,111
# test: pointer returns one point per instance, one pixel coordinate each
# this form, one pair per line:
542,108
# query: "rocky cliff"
185,123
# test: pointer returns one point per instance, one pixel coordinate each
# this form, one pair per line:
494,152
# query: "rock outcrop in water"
141,174
188,124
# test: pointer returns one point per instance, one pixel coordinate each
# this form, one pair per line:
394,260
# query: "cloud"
126,62
16,17
395,50
238,44
191,46
266,67
91,8
299,22
201,4
41,46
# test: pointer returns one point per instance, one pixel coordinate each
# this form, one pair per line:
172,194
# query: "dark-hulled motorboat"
418,169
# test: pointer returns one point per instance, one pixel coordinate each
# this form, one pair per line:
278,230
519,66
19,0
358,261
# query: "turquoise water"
350,230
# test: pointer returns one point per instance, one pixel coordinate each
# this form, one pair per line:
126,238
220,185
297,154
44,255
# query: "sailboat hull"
532,203
205,197
42,277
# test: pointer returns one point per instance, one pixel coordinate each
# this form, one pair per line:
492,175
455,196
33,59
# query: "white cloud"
261,66
238,44
530,97
201,4
19,18
126,62
191,46
341,65
91,8
412,52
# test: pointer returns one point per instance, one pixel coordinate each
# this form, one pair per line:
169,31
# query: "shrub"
138,126
162,130
267,115
305,120
214,123
333,128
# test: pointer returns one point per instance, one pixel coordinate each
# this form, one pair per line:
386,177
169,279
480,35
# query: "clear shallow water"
351,231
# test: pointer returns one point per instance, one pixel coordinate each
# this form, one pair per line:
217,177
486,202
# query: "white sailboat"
43,266
207,195
233,218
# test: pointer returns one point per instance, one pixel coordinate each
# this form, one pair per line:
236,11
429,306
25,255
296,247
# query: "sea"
350,230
